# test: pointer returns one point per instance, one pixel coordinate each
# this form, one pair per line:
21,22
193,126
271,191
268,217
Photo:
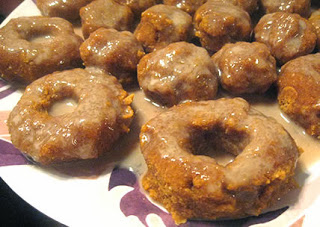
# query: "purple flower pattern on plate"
9,155
5,89
136,203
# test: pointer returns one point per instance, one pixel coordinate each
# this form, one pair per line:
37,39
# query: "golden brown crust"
192,185
315,21
301,7
161,25
31,47
88,131
299,92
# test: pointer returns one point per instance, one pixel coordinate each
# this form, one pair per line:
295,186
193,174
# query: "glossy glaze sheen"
301,7
102,114
192,185
31,47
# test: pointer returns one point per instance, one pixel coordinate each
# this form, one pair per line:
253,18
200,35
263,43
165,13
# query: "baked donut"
190,184
315,21
138,6
177,73
245,68
67,9
161,25
299,92
113,51
287,35
189,6
217,23
31,47
102,113
301,7
105,14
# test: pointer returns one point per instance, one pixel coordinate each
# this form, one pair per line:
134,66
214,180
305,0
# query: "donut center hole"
63,106
218,144
39,37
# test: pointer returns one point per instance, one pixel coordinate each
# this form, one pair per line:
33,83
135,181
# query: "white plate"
106,192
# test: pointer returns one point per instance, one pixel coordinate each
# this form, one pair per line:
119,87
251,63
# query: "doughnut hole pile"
31,47
90,130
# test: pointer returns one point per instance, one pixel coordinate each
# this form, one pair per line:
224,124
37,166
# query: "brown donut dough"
102,114
179,72
31,47
190,184
113,51
299,92
245,67
105,14
67,9
287,35
138,6
301,7
189,6
315,21
161,25
218,23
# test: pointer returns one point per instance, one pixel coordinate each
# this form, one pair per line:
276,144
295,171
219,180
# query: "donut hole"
38,36
62,106
219,144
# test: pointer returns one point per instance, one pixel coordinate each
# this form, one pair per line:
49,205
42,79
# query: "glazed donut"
138,6
177,73
245,68
190,184
31,47
315,21
120,57
301,7
217,23
287,35
161,25
299,92
102,114
67,9
105,14
247,5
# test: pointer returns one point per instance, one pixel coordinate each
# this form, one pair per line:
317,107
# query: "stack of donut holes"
181,53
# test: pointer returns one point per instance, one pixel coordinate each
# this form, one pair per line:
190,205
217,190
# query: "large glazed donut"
299,92
102,114
31,47
191,184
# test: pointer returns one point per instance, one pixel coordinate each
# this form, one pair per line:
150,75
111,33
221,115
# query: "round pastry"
189,6
287,35
31,47
179,72
138,6
113,51
161,25
68,9
315,21
190,184
217,23
245,67
301,7
299,92
102,113
105,14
